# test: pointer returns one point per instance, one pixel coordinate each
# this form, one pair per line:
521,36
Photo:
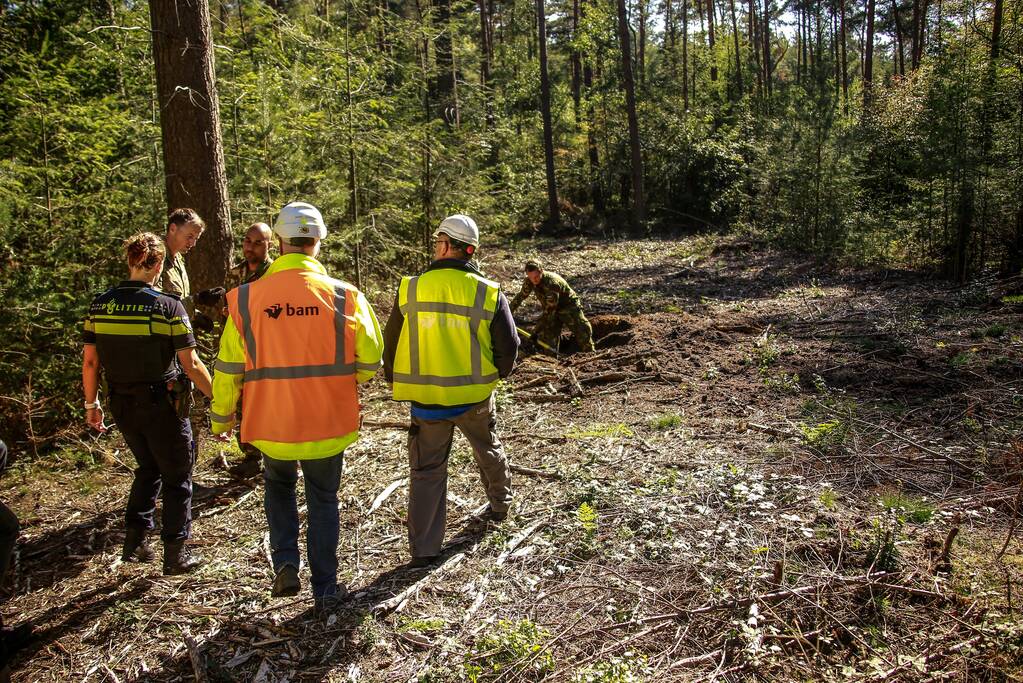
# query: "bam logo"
275,311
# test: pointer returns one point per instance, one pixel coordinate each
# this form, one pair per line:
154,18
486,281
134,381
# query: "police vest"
299,379
445,354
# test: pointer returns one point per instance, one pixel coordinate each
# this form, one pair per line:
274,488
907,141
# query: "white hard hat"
299,219
461,228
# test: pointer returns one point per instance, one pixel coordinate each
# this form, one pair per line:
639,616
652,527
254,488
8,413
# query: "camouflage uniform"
237,276
560,307
174,280
240,273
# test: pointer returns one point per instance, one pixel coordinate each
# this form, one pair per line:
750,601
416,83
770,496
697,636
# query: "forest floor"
768,469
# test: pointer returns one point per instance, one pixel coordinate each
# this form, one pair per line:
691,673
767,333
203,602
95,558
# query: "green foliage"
615,430
666,421
512,644
825,436
907,508
629,668
883,549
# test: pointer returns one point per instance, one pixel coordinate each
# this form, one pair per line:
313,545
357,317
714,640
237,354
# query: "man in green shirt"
255,256
184,228
559,306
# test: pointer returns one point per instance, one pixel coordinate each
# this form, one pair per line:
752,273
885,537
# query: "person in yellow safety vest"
300,341
449,339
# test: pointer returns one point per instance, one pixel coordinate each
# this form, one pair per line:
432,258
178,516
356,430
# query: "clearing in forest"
768,468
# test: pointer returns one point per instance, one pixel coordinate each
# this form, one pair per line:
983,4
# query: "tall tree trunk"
845,71
553,217
915,36
754,44
353,184
710,40
768,65
638,193
444,95
738,54
669,25
799,45
576,62
641,40
868,57
900,63
685,54
193,154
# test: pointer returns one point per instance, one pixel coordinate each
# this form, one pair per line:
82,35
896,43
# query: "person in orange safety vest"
300,341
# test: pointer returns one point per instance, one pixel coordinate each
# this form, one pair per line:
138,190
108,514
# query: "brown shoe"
136,547
286,583
178,560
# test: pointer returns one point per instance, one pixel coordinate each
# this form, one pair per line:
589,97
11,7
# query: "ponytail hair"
144,251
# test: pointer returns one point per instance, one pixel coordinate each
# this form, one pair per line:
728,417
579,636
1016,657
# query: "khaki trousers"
429,444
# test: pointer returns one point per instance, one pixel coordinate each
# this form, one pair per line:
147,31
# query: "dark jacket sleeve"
504,337
392,333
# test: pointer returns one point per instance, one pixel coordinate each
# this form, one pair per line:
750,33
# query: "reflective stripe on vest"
476,314
335,369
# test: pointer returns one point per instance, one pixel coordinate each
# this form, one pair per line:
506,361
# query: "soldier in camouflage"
560,306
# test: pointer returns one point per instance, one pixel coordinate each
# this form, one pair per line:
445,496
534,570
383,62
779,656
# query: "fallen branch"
397,602
383,424
385,494
198,667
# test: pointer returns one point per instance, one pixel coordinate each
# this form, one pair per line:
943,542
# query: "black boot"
177,559
136,547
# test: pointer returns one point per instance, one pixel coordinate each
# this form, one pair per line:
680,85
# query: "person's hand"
201,321
94,418
210,297
225,437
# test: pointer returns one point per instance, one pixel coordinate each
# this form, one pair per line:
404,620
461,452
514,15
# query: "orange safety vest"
299,332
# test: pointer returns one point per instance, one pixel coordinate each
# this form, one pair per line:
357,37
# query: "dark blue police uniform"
137,332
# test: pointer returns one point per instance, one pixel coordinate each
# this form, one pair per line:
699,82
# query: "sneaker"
424,561
286,583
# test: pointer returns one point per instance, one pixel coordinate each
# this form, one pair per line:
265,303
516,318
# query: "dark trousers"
162,445
9,528
322,478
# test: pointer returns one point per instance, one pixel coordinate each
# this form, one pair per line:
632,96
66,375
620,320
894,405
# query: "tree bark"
193,153
638,193
845,70
553,217
868,57
685,54
710,40
738,54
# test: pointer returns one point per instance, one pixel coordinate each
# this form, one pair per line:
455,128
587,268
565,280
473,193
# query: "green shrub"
513,644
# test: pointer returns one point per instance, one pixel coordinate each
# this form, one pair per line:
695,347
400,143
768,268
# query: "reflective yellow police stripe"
476,314
126,326
336,369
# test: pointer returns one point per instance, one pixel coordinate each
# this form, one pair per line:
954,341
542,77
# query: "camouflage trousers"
548,327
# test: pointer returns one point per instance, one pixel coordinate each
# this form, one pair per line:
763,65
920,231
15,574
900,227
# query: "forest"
796,225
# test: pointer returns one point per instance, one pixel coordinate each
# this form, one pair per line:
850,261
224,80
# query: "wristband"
94,405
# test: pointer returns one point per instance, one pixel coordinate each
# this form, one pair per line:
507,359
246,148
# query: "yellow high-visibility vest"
445,355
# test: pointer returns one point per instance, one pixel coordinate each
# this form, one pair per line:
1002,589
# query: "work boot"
324,604
177,559
286,583
492,515
136,547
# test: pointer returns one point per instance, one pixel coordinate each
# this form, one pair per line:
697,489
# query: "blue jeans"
322,480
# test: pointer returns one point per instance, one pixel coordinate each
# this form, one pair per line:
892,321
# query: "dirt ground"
769,469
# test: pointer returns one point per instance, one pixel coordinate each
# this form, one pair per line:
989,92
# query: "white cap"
461,228
299,219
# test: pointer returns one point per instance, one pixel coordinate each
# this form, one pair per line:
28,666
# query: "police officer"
134,334
559,305
449,339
